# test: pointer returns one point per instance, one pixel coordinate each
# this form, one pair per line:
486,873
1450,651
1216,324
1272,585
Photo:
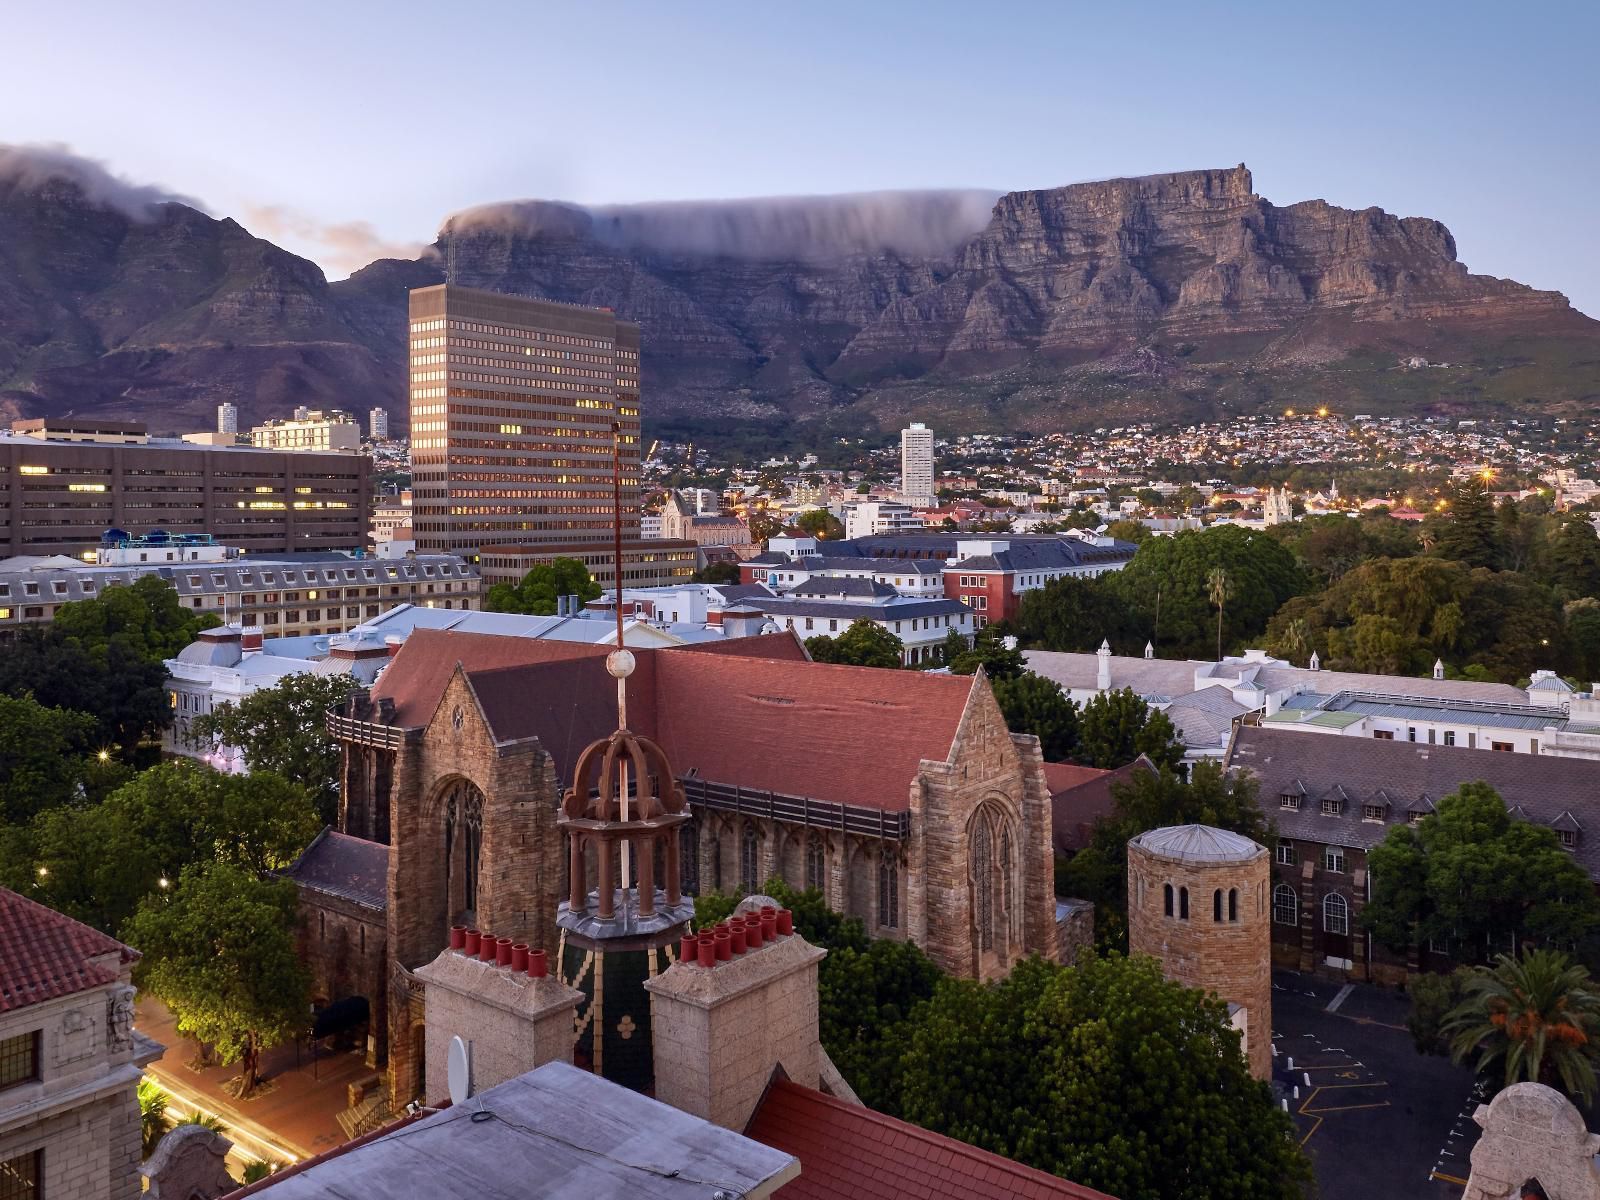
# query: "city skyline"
1471,120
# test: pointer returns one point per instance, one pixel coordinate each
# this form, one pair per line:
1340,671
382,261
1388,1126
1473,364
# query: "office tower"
512,404
916,465
378,424
227,418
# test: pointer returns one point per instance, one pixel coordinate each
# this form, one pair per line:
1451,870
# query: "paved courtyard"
1377,1118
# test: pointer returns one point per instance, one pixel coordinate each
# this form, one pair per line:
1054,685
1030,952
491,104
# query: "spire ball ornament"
620,663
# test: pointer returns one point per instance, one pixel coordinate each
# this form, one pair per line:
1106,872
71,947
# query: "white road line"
1333,1005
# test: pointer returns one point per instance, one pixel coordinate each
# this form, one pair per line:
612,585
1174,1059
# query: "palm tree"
1540,1014
153,1120
206,1121
1220,589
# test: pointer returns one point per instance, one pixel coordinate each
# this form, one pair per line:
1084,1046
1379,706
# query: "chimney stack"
720,1024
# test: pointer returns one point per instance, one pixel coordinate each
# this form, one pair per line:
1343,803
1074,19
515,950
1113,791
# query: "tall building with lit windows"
512,405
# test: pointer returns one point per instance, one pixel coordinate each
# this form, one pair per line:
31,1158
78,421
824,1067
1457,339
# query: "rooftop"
350,868
44,955
1199,844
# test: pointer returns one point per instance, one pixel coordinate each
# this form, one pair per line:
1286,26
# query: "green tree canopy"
99,861
988,650
536,594
220,952
1468,532
820,523
283,729
45,756
1115,727
718,572
1105,1073
1471,876
1262,574
1033,704
1537,1017
864,644
1073,613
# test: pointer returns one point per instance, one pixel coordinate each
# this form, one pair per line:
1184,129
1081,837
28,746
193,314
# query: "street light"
163,883
104,755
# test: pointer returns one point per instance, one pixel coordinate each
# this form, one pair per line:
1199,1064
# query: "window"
1449,737
1569,838
1372,812
1285,905
1289,800
1285,853
1411,733
1506,747
1183,904
1216,905
816,870
19,1059
888,890
1233,904
749,864
1335,914
1332,806
1414,817
1333,860
20,1177
1166,891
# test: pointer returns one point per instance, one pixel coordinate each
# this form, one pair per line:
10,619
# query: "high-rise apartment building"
311,429
512,406
378,424
916,466
227,418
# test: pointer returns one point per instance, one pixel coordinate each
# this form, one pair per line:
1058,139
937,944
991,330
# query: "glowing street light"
1323,411
43,871
163,883
1288,412
104,755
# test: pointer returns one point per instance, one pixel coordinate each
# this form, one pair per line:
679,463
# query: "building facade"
227,418
60,493
513,408
916,466
316,430
378,424
70,1059
901,796
644,563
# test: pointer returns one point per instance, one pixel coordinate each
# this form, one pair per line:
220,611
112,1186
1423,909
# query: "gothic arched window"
816,864
888,890
983,883
749,859
463,835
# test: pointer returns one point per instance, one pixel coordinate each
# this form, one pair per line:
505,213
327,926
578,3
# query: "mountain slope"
1182,295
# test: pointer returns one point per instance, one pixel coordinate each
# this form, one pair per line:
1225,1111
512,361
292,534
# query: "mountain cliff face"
1184,294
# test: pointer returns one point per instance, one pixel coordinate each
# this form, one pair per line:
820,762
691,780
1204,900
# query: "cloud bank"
33,166
341,246
912,223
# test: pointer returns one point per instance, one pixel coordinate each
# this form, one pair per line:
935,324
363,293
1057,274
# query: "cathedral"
900,795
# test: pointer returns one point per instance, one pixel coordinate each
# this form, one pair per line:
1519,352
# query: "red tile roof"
846,735
1076,805
785,645
44,955
851,1153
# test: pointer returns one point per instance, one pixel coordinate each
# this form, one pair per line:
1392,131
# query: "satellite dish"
459,1070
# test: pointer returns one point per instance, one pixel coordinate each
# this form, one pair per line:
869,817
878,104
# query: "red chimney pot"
486,945
458,936
469,942
502,952
519,957
708,950
538,964
785,922
724,941
752,934
688,948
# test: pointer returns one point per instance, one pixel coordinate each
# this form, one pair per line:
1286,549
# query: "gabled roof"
44,954
1081,795
350,868
847,1152
822,586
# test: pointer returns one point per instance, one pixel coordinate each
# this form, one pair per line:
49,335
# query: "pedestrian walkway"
296,1118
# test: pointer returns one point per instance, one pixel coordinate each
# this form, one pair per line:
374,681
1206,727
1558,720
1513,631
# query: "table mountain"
1181,295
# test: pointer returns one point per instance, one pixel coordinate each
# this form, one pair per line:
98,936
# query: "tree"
220,952
1033,704
763,525
864,644
1136,532
1433,998
1219,590
536,594
43,757
1086,1071
283,729
1115,727
99,861
1468,533
1537,1016
145,616
988,650
718,572
1471,876
153,1120
820,524
123,691
1072,613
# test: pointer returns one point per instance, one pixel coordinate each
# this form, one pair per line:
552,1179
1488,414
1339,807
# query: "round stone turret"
1199,901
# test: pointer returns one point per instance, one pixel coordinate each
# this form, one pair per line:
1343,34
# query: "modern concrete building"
378,424
513,409
227,418
916,466
644,563
317,430
63,484
70,1059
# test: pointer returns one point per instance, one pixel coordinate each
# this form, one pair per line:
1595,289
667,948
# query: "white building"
378,424
879,516
315,430
916,466
826,607
227,418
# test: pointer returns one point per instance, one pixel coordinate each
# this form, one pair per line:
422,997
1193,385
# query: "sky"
344,130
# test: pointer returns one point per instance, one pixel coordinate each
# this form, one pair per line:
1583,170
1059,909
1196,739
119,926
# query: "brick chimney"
718,1030
499,998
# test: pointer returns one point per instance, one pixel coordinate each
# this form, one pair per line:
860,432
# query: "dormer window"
1332,806
1372,812
1569,838
1414,817
1290,801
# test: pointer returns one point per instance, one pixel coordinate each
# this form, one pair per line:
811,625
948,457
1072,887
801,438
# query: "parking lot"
1377,1118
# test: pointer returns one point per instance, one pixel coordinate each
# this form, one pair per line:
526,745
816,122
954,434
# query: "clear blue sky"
1484,115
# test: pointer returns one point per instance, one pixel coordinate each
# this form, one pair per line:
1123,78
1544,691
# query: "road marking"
1437,1174
1344,993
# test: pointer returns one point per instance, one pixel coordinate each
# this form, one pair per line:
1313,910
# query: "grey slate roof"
1199,844
851,610
1411,776
819,587
350,868
1206,717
